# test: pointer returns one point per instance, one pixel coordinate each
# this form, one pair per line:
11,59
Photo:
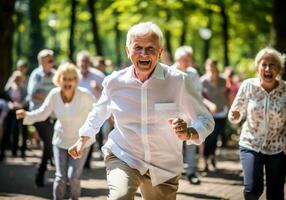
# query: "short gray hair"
44,53
144,28
81,54
279,57
183,51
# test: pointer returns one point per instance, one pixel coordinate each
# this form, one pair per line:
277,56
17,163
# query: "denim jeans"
210,144
253,164
67,170
191,159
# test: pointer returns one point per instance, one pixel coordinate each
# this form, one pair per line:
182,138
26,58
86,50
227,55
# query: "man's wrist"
192,133
84,138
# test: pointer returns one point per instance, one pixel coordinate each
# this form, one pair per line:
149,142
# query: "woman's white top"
70,116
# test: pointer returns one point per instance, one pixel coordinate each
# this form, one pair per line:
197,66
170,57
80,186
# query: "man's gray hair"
142,29
183,51
44,53
81,54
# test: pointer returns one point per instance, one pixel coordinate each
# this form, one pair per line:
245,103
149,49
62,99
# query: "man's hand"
20,114
180,128
95,86
76,150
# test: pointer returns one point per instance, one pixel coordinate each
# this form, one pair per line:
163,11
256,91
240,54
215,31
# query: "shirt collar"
159,72
258,83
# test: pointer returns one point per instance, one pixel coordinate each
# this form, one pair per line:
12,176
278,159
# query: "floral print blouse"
264,128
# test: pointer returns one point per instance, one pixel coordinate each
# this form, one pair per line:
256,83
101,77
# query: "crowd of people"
146,118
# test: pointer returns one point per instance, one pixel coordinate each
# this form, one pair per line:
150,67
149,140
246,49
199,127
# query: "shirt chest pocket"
165,111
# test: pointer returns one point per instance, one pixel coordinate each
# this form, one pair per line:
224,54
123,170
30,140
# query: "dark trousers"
253,164
45,130
11,133
210,144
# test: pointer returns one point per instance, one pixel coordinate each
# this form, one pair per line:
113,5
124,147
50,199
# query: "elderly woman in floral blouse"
262,102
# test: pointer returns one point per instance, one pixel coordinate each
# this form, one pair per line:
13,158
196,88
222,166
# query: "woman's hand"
180,128
76,150
20,114
234,114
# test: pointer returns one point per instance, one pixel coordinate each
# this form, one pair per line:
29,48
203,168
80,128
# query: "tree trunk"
36,37
225,32
168,37
6,39
207,41
19,21
117,42
96,39
72,28
184,29
279,28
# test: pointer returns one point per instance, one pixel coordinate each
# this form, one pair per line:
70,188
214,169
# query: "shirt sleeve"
192,105
239,103
32,84
41,113
97,116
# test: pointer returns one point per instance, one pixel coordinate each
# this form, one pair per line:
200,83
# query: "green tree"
278,27
37,42
6,39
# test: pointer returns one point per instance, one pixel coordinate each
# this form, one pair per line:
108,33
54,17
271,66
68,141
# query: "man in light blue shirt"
183,62
39,85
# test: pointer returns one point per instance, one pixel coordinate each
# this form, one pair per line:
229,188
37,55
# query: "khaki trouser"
123,182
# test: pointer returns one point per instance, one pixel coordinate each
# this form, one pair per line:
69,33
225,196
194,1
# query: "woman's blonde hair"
66,67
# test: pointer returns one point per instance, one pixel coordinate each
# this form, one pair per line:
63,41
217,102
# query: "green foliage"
249,26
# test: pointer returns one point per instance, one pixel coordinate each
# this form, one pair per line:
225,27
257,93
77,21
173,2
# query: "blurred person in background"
16,94
99,63
39,85
183,62
91,79
106,67
214,90
232,84
261,101
71,104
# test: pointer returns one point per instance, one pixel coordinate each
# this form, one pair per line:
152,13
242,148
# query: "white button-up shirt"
143,137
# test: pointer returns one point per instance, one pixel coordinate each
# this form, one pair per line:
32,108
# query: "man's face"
83,63
211,68
144,53
184,62
47,63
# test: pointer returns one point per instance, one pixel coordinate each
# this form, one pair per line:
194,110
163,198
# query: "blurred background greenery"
227,30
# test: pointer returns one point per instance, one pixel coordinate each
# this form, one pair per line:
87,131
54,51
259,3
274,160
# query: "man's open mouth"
144,62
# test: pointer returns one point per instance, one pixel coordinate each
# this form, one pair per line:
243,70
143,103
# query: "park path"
17,180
